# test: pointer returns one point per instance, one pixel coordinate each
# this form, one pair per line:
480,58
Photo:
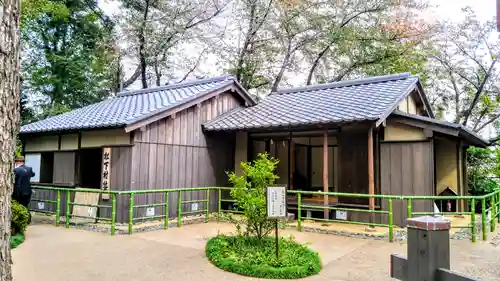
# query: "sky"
451,9
440,10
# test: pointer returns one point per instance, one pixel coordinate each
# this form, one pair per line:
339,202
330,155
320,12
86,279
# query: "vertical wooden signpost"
276,208
106,171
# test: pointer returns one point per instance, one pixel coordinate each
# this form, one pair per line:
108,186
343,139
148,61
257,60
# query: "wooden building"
374,136
154,138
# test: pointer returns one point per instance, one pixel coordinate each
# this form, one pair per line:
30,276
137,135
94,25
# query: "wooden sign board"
106,171
276,201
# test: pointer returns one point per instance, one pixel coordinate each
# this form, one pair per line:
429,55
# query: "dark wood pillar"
371,174
325,173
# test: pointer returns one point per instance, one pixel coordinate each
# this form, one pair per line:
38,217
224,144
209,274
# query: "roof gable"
453,129
370,99
130,107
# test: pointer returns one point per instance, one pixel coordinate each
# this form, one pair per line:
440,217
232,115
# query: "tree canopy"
75,54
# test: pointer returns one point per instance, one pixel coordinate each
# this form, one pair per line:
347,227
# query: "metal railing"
301,206
493,199
165,205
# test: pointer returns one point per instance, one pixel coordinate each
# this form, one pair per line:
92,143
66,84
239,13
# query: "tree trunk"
142,47
9,122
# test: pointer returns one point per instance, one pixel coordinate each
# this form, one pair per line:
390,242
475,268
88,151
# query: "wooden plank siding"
175,153
64,167
407,168
120,181
63,174
353,149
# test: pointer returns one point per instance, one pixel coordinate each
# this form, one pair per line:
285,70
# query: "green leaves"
256,257
68,54
19,219
249,192
483,167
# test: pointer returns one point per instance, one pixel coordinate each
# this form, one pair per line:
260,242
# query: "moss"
250,256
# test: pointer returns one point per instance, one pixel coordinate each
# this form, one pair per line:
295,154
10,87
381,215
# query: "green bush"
249,193
20,216
16,240
250,256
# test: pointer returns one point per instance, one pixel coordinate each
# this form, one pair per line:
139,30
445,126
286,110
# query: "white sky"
441,10
451,9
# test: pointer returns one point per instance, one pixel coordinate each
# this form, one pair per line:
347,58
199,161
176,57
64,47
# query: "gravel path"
54,254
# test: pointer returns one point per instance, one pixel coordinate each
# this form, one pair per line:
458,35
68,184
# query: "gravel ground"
54,254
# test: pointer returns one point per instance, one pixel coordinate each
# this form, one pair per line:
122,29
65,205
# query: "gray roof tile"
129,107
356,100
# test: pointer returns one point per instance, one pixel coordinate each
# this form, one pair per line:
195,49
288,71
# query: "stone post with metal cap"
428,252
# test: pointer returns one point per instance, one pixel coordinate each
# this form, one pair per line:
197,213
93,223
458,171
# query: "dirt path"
54,254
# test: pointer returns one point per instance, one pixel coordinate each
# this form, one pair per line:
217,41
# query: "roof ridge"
347,83
177,85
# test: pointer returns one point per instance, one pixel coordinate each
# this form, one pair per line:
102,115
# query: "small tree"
249,194
483,170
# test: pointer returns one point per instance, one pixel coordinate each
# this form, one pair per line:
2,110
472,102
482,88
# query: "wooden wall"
121,169
64,168
447,165
175,153
407,168
401,132
354,165
94,138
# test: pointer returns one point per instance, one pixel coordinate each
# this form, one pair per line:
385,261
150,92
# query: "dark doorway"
90,167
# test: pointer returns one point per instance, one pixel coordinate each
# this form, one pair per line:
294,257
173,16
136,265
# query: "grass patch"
16,240
250,257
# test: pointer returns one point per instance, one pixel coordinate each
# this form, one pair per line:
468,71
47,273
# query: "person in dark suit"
22,185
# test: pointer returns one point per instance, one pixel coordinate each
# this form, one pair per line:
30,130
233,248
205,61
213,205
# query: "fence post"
497,201
208,206
58,208
483,217
179,208
428,250
299,212
165,223
68,200
409,208
113,214
493,212
391,227
219,204
131,212
473,219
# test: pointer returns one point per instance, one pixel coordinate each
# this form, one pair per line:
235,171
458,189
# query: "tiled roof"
129,106
347,101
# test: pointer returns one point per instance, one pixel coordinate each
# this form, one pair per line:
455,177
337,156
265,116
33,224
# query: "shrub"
20,216
16,240
249,193
250,256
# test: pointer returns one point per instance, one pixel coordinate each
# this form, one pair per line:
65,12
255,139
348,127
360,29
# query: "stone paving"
58,254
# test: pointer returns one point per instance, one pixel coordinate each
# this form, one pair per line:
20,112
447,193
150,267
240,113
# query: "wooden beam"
426,125
371,175
291,153
325,173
